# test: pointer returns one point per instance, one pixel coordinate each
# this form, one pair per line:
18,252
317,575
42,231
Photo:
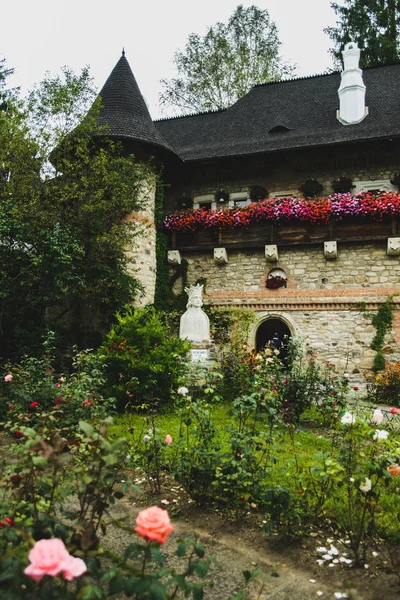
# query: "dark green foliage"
373,24
64,232
164,298
144,361
382,320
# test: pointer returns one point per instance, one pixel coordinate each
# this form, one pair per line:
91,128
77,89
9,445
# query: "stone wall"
285,172
142,256
319,303
358,268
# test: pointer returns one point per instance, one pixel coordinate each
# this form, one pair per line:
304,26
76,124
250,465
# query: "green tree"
5,93
216,70
373,24
63,234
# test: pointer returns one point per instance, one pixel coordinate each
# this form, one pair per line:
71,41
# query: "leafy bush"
386,387
31,390
54,502
144,361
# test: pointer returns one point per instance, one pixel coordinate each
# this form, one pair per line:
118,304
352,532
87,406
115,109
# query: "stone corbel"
393,246
174,258
220,256
330,250
271,253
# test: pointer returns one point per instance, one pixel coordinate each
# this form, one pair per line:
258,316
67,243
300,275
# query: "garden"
131,472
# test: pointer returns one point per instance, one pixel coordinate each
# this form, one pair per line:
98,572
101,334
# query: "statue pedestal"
202,352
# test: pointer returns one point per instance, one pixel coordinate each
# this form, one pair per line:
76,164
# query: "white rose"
381,434
366,486
348,418
183,391
377,416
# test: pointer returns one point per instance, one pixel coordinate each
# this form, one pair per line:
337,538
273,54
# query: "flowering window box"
289,220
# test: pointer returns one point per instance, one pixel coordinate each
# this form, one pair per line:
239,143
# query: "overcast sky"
42,35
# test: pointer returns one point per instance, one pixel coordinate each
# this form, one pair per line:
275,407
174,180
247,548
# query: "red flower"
58,400
16,478
356,388
334,403
19,434
286,381
394,411
11,407
33,404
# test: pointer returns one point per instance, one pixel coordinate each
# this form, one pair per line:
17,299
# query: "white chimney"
352,89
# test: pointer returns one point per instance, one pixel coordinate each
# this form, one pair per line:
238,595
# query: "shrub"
144,361
386,387
31,391
54,502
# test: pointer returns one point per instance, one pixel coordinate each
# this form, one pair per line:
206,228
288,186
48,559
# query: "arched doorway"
268,329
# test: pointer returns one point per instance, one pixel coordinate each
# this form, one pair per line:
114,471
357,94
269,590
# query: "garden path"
286,573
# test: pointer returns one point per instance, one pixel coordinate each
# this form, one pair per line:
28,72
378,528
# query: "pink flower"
153,524
394,411
58,384
87,402
286,381
8,378
168,440
33,404
73,567
11,407
50,557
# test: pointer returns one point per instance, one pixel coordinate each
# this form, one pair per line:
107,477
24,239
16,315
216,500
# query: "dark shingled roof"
305,106
124,110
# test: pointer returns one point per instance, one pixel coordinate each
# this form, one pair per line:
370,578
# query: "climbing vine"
382,320
164,298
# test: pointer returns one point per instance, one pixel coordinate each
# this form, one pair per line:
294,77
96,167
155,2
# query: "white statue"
195,324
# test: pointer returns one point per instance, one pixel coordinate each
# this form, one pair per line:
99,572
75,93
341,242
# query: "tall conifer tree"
373,24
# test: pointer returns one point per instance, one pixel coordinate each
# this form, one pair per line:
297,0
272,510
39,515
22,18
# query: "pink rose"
394,411
153,524
46,557
58,384
8,378
87,402
168,440
73,567
50,557
11,407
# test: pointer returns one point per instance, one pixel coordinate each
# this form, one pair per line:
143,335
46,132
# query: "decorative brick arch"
273,321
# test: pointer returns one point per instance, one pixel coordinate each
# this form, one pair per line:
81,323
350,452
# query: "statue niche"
195,324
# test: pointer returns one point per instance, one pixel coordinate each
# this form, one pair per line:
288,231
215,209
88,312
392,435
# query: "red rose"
19,434
58,400
356,388
33,404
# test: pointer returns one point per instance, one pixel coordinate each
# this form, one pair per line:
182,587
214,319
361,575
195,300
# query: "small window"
205,205
239,203
377,185
279,129
277,278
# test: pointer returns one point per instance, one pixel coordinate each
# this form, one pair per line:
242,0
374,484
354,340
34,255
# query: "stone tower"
127,118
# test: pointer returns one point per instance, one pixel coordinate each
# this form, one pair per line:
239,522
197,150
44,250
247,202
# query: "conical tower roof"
124,111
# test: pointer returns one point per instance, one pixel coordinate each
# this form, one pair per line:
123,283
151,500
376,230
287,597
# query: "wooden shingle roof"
124,111
285,115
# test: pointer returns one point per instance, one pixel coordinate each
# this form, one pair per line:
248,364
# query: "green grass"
287,463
